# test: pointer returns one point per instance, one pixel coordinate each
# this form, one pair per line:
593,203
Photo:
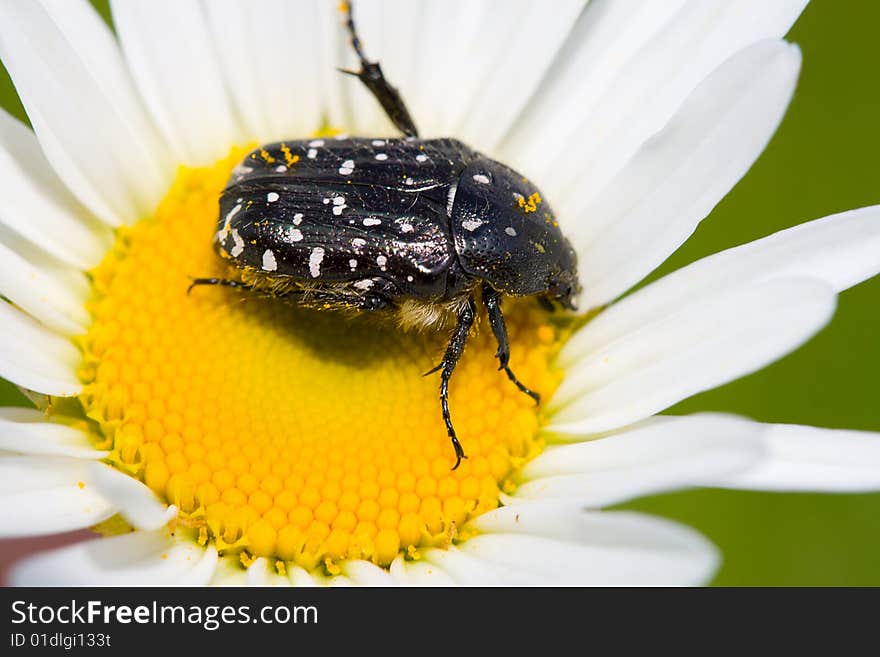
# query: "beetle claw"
433,370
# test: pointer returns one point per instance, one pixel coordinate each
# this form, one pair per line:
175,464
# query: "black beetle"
415,227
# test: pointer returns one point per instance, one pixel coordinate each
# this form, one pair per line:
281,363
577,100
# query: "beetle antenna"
374,80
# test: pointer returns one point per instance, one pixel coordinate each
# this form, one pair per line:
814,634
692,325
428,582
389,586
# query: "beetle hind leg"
374,80
492,299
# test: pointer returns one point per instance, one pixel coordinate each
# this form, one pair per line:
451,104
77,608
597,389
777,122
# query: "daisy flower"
215,438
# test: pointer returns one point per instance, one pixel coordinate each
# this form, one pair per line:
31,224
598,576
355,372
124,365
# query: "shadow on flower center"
292,434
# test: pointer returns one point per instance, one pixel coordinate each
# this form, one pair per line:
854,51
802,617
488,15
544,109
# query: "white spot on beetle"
409,181
281,168
315,143
295,234
450,199
337,209
421,157
326,201
238,247
378,142
381,157
240,172
381,261
481,178
234,211
269,262
272,197
364,284
372,221
357,241
338,200
353,264
347,167
409,278
316,257
471,224
406,228
510,230
312,154
297,218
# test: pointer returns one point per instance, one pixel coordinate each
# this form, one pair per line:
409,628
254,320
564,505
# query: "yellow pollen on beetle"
289,158
302,436
531,204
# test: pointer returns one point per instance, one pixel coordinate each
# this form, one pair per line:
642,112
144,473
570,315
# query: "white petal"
651,87
171,55
71,278
97,140
470,570
262,573
607,35
679,174
365,573
660,454
41,295
331,45
299,576
339,581
136,559
418,573
229,572
276,89
27,431
444,35
464,78
693,347
40,495
134,500
35,203
512,77
841,249
802,458
34,358
563,545
202,573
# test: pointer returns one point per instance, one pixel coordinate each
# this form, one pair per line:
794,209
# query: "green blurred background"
825,158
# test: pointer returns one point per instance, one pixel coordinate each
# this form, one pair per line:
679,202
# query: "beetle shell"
506,233
340,210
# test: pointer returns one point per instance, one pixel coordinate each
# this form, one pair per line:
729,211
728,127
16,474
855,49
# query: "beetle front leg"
454,350
492,299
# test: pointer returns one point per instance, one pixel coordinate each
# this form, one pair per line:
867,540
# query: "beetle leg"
225,282
546,304
374,80
342,301
450,359
492,299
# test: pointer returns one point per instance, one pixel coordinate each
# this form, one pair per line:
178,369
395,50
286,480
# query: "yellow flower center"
298,435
